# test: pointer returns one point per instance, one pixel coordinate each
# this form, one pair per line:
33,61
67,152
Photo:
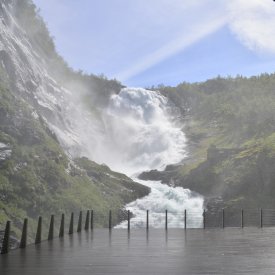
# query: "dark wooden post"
166,219
39,231
71,227
110,219
147,219
87,221
204,218
51,229
92,219
261,218
185,219
79,226
62,226
23,241
128,217
6,241
242,218
223,218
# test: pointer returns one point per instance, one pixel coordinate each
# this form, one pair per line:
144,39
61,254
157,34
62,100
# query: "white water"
163,197
139,133
143,129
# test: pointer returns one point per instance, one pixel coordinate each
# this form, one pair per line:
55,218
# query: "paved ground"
197,251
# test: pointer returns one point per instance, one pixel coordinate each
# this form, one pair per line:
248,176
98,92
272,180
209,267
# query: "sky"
144,43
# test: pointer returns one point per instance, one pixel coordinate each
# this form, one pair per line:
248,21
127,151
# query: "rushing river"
163,197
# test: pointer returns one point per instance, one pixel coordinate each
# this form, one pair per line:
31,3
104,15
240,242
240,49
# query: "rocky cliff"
41,136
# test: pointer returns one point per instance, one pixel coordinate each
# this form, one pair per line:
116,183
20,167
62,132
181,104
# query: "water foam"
143,130
163,197
143,134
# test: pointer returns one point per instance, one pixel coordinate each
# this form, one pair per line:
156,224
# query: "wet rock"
14,242
5,152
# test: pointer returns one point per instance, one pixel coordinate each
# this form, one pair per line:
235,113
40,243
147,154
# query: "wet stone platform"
195,251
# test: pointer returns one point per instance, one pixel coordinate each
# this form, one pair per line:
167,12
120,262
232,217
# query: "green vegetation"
36,175
230,124
39,179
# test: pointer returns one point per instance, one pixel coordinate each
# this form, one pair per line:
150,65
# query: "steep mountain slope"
40,135
230,125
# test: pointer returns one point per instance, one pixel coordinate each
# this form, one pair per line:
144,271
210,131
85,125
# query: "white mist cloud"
253,22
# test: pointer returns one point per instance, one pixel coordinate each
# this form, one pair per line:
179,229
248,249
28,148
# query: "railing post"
87,222
71,227
51,229
6,241
62,226
185,219
242,224
261,218
110,219
128,217
166,219
92,219
39,231
223,218
147,219
204,218
79,226
23,241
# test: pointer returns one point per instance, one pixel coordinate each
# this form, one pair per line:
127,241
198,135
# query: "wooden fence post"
242,224
223,218
39,231
79,226
128,218
204,219
185,219
92,219
110,219
147,219
62,226
166,219
51,229
71,227
87,221
261,218
23,241
6,241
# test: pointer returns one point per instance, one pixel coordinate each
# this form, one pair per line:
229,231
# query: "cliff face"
35,73
41,137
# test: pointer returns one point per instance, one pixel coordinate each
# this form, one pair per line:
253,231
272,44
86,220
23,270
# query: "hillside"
230,125
42,168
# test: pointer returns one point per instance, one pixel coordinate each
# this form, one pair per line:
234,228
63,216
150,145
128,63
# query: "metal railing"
125,219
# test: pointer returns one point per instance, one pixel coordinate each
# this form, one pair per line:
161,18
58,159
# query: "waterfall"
143,134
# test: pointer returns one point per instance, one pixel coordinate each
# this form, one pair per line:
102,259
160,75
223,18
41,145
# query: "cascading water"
141,125
163,197
142,134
